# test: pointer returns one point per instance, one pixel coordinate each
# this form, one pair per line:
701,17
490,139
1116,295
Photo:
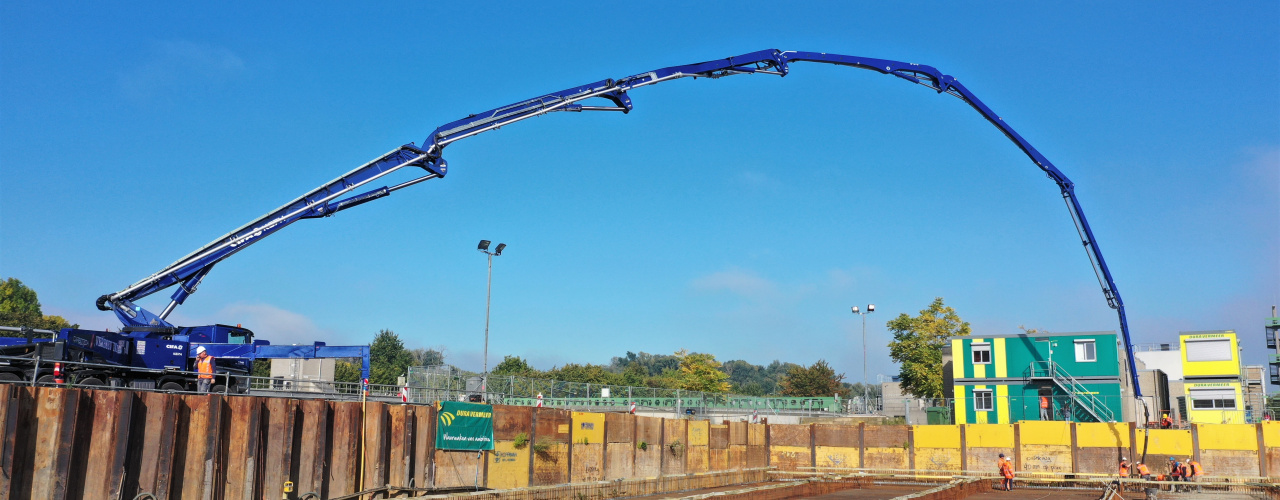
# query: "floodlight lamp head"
871,308
855,309
484,245
498,251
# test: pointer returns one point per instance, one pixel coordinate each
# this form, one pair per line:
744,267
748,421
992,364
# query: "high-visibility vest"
1175,469
1143,470
1195,468
1124,469
1044,402
204,365
1006,469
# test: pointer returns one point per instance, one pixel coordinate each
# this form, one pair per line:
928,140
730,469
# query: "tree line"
917,346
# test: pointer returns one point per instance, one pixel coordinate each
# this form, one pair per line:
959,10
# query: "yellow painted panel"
937,436
988,436
1101,435
588,427
837,456
962,405
1165,442
508,466
699,433
1045,458
1002,404
789,457
1271,434
997,358
1216,416
1050,432
957,359
1228,368
755,434
938,458
979,370
1243,437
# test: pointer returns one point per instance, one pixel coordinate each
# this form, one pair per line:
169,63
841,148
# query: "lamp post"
870,309
484,247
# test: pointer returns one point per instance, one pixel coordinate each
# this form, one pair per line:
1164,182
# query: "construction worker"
1124,467
1045,413
1144,472
1166,422
1193,471
1006,473
204,365
1175,473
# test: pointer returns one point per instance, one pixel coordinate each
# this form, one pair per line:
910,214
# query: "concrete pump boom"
324,201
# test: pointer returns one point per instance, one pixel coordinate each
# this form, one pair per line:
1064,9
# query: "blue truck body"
153,357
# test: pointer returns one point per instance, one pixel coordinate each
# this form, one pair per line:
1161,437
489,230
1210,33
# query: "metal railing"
1088,402
525,391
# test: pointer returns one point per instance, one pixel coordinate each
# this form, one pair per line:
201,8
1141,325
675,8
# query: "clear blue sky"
740,216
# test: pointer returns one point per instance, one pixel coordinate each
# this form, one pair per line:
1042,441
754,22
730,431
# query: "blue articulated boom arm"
188,272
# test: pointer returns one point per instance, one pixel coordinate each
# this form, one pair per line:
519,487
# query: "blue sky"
739,216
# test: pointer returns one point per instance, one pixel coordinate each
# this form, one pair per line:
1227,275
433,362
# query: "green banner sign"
464,426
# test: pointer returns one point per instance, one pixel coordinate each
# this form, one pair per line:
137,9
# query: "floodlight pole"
866,408
488,294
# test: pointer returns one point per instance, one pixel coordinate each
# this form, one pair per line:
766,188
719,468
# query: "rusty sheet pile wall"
72,443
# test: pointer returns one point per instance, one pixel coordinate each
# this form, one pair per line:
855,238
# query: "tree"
388,359
425,356
515,365
346,371
19,306
917,344
818,380
587,374
701,372
634,375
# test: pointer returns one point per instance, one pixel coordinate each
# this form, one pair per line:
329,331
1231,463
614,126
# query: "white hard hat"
199,349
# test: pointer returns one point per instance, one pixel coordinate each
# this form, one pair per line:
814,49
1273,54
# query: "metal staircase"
1091,404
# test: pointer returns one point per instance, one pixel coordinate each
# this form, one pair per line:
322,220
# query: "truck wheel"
172,387
45,380
218,389
91,382
10,377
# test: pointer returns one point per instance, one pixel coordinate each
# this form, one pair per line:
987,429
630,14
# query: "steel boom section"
188,271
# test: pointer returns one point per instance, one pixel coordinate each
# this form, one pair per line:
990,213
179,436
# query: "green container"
938,415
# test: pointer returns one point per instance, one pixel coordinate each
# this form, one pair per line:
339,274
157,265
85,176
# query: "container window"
982,400
1086,351
981,354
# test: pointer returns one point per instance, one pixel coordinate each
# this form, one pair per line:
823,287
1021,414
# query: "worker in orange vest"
204,365
1045,414
1124,467
1006,472
1193,471
1166,422
1144,472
